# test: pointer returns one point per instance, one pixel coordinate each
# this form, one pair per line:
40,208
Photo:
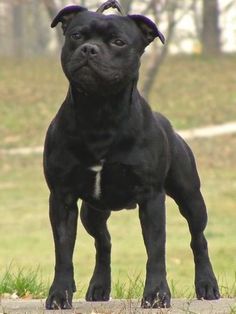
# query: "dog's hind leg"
94,222
63,217
183,185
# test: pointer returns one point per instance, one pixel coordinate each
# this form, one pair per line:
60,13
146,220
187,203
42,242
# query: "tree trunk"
126,5
18,42
52,11
211,30
41,35
156,61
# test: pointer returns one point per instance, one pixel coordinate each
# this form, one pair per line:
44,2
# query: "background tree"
126,4
52,10
174,11
18,31
211,42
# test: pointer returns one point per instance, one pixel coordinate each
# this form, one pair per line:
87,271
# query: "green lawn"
28,103
191,91
26,236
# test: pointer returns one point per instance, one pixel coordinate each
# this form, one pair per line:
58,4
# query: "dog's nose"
89,50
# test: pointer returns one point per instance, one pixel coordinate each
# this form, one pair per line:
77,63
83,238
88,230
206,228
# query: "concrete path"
209,131
179,306
204,132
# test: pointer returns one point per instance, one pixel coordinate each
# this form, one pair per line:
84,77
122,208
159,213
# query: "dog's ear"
66,15
148,28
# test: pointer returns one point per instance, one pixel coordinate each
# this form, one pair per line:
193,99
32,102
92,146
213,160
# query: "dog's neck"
108,108
98,121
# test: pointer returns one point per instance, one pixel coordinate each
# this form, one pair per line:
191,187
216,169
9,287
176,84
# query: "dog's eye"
118,42
76,36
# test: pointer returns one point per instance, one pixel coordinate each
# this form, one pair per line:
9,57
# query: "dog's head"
102,52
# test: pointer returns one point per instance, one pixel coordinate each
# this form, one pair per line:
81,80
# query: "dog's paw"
207,289
59,300
97,293
99,289
161,299
206,285
60,297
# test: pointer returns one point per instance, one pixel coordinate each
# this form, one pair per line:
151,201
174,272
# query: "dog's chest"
110,185
96,186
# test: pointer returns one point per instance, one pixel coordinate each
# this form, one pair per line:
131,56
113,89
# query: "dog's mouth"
90,75
74,67
96,69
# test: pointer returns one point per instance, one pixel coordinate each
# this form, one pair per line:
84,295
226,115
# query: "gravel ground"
222,306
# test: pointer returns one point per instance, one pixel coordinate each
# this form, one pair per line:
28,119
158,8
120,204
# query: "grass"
26,283
190,90
196,91
132,288
188,98
26,235
228,290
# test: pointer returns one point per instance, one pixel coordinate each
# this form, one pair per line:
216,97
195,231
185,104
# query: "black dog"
106,147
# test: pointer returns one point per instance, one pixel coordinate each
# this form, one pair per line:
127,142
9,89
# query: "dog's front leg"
63,217
95,222
152,217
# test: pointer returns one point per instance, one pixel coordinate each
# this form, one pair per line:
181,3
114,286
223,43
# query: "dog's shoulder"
162,122
154,122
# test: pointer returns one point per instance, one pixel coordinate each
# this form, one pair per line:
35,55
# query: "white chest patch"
97,183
